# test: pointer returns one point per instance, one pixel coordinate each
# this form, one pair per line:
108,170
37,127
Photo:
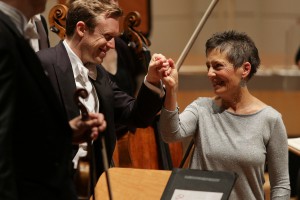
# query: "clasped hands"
162,69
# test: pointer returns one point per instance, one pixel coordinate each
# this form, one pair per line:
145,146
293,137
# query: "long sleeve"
7,95
277,161
174,127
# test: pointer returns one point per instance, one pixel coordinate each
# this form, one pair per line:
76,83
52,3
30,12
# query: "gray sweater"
230,142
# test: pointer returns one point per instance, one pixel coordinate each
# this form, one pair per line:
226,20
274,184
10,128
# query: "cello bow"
183,56
195,34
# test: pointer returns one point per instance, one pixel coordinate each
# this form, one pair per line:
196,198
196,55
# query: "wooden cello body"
141,149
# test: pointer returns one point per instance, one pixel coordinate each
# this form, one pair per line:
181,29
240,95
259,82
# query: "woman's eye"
217,66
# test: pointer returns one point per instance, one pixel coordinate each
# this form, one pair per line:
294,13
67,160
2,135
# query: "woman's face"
224,77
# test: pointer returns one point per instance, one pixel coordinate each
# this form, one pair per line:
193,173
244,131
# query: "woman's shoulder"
262,107
203,102
270,111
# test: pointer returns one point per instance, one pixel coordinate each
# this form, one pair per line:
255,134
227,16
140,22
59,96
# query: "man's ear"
246,69
80,28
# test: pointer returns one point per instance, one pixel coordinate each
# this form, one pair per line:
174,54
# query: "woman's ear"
246,69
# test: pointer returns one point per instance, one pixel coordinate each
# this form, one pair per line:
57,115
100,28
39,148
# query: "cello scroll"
133,19
83,94
135,39
57,19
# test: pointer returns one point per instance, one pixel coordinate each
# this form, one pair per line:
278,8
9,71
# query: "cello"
85,180
84,177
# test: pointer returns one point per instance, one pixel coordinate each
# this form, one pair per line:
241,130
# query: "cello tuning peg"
54,29
132,45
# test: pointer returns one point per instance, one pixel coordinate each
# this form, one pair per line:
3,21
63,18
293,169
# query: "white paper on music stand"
195,195
294,142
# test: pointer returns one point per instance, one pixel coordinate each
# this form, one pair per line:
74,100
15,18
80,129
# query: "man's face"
95,44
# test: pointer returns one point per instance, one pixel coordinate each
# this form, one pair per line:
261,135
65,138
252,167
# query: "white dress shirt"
91,102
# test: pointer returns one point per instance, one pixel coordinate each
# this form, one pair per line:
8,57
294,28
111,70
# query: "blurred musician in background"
124,68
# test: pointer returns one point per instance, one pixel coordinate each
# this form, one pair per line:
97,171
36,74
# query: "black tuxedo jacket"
116,105
35,137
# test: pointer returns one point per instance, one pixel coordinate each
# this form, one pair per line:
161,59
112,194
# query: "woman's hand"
170,77
158,66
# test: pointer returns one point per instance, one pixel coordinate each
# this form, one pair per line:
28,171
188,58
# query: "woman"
233,131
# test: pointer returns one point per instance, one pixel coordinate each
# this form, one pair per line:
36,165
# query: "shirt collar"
78,68
30,31
77,65
92,71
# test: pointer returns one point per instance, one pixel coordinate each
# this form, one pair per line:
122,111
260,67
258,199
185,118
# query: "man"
74,63
35,136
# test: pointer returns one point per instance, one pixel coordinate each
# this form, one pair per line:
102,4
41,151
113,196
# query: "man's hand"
158,67
84,131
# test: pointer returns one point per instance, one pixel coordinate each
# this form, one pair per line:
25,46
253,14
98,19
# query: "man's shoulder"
51,52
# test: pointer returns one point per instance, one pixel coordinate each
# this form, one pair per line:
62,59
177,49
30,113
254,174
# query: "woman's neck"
242,102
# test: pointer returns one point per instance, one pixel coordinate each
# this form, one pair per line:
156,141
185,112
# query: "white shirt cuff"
159,90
